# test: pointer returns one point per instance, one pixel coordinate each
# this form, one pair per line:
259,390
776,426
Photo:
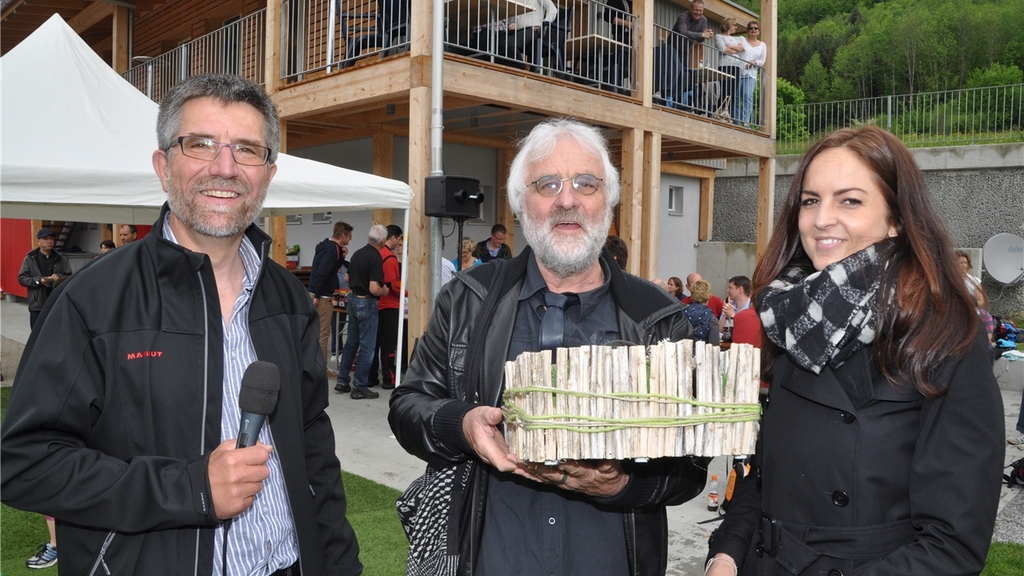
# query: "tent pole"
399,349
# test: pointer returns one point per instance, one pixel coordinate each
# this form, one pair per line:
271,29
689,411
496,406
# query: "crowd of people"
873,405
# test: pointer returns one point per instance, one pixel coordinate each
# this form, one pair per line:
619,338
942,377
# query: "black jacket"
118,405
323,275
481,252
864,478
30,274
427,409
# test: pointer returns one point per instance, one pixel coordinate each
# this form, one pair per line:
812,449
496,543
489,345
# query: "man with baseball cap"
41,272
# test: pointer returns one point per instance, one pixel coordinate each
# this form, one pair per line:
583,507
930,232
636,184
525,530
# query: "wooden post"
765,203
119,39
503,210
272,81
707,209
645,41
418,235
651,202
770,35
278,224
630,204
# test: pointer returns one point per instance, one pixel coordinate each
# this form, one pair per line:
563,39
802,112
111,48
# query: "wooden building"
341,70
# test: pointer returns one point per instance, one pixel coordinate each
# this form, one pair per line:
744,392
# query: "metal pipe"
436,139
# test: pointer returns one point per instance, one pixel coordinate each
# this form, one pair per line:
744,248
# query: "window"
675,200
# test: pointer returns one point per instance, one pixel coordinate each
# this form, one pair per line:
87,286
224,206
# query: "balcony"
584,45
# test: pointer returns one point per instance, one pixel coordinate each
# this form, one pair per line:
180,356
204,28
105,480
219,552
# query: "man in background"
41,271
128,233
366,285
382,370
323,280
738,299
494,247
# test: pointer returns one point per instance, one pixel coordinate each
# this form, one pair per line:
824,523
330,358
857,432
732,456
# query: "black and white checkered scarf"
824,317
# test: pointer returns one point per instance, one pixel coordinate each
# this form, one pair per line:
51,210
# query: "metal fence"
953,117
329,34
238,48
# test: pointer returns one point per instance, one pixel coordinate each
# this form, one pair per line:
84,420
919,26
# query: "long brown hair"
922,275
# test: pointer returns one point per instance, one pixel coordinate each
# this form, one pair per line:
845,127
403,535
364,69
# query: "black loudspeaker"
452,197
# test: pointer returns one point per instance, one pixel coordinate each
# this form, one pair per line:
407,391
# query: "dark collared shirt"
532,528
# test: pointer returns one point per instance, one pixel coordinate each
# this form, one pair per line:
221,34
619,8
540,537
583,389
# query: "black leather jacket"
427,409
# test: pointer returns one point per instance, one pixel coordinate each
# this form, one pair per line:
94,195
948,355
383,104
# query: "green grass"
371,510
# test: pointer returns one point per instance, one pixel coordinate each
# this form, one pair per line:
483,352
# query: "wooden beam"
383,165
631,202
770,35
765,203
690,170
272,53
421,15
91,15
707,209
278,228
417,245
646,39
119,39
651,203
502,206
384,81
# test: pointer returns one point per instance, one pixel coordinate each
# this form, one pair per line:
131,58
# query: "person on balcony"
755,54
693,26
728,47
619,14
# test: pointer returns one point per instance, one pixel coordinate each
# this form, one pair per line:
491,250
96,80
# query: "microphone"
257,398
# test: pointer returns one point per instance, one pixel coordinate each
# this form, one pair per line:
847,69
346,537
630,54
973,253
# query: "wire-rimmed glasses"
583,184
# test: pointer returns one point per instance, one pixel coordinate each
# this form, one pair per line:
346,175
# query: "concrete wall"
978,189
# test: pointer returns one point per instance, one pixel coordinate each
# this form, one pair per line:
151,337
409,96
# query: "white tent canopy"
77,144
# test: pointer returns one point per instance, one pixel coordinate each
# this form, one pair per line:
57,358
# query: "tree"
815,81
790,116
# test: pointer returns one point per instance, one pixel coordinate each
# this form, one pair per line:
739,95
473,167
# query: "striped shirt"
262,539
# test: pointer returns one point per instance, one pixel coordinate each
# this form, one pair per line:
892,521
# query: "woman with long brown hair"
882,441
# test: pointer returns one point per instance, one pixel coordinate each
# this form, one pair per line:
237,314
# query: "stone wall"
979,190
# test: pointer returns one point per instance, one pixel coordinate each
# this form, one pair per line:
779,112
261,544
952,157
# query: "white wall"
677,235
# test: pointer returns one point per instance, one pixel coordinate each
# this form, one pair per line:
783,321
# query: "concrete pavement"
366,447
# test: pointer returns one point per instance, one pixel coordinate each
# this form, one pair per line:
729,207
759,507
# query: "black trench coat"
861,477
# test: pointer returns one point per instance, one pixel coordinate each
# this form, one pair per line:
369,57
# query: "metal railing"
329,34
953,117
238,48
700,79
580,40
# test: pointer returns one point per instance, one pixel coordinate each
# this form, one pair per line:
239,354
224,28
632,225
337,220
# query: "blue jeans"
362,337
747,85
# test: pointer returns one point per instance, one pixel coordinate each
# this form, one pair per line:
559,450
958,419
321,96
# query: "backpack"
699,316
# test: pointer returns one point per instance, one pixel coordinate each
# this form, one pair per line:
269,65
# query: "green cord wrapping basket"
604,402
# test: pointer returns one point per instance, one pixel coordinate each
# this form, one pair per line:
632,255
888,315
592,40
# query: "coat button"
840,498
835,572
847,417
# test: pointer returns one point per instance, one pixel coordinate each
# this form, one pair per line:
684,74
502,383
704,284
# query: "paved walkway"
366,447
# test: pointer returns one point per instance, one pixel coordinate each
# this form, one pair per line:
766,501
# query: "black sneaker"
372,384
358,394
343,388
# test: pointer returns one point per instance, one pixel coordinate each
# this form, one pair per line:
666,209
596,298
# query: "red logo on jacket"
145,354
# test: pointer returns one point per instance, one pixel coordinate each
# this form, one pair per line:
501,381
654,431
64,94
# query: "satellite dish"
1003,256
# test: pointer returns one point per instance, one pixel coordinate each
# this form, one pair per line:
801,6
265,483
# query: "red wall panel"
15,242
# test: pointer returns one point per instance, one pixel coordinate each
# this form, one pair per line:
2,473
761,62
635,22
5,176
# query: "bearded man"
123,424
515,517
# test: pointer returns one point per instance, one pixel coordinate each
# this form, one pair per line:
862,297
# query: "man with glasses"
127,433
579,517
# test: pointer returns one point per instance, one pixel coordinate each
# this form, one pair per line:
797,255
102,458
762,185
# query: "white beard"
566,256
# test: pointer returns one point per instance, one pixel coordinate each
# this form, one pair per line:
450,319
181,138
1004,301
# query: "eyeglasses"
583,184
202,148
753,29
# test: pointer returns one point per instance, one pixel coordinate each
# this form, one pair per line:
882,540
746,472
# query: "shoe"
358,394
46,557
331,374
343,388
372,384
388,386
1017,440
334,358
